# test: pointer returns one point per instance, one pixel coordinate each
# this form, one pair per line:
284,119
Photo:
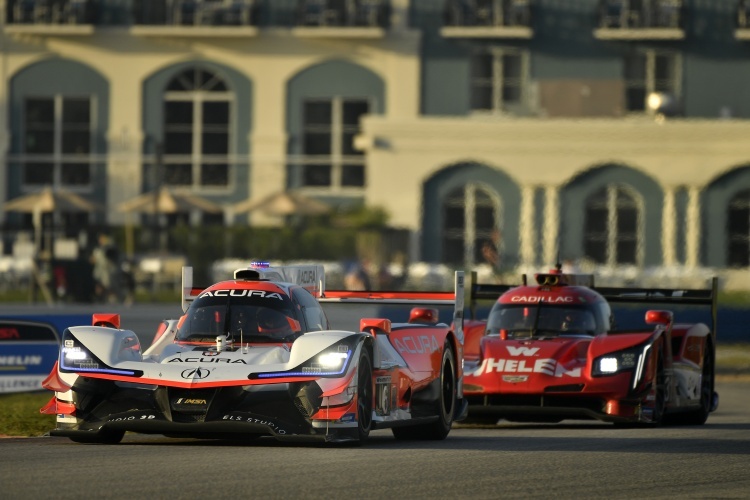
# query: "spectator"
128,280
356,278
104,260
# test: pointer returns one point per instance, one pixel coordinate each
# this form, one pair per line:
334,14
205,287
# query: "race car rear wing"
310,277
682,296
455,299
632,295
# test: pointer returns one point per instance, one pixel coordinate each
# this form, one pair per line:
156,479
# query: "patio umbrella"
283,203
163,201
50,200
167,201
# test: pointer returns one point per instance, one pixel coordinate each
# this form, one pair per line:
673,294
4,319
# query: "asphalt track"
574,459
570,460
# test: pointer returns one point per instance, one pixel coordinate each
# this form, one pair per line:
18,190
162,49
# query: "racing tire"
446,404
699,416
104,437
365,395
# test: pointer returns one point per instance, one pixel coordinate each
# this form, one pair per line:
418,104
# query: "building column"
668,232
4,112
528,237
693,228
268,139
126,142
550,242
399,15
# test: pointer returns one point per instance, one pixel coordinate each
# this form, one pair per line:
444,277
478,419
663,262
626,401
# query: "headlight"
608,365
617,362
328,363
75,357
331,360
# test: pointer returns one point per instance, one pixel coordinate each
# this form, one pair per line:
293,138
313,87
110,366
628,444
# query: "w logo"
522,351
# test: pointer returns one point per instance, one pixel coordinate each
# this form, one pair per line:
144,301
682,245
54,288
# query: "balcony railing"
640,19
47,12
343,13
205,13
488,18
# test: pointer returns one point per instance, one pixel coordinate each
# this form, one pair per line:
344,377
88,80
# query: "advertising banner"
28,348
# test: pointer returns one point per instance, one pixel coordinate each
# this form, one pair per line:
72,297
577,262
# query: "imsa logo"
190,401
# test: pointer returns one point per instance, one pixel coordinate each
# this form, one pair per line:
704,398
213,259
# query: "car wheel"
364,396
446,404
699,416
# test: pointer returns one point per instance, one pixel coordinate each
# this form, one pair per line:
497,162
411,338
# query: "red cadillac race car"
550,351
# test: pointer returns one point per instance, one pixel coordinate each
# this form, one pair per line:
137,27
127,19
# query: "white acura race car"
255,356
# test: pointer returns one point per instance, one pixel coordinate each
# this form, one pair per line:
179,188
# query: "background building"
612,133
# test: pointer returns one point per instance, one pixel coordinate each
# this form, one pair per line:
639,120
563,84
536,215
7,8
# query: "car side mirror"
373,325
107,320
659,317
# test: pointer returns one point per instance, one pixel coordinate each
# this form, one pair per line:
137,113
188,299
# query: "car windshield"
541,320
247,319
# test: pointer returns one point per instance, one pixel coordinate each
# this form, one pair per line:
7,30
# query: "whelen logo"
546,366
195,373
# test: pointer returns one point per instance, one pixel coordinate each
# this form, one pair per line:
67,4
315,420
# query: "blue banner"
29,345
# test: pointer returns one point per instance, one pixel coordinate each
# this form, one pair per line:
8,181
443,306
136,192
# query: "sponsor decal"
417,345
207,360
190,401
9,333
28,351
348,417
525,351
211,353
20,384
534,299
383,391
513,379
131,417
196,373
545,366
253,420
19,362
306,277
19,358
242,293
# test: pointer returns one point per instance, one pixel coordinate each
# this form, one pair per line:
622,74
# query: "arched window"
738,230
613,226
197,117
470,225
